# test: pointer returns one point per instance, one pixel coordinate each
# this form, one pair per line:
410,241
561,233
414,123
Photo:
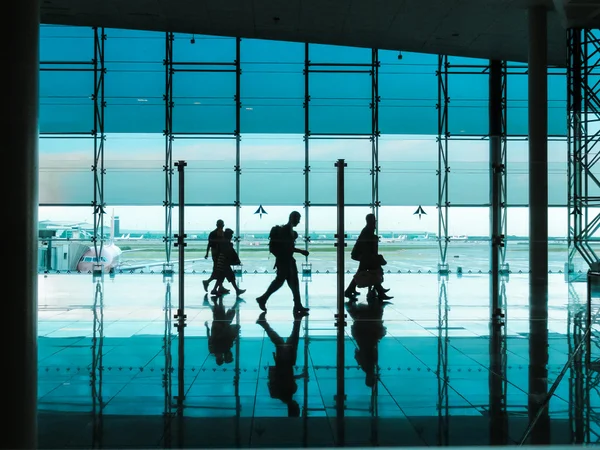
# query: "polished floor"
417,372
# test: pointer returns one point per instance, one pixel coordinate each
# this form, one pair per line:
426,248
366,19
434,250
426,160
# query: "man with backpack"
282,245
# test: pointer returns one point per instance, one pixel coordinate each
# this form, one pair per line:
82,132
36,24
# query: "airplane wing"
139,266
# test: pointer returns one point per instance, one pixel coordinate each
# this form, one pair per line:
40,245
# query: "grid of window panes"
301,107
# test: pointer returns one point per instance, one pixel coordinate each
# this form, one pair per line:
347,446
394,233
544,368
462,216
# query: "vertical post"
496,176
168,167
340,399
538,221
306,148
238,138
181,316
375,168
496,383
443,170
21,134
98,166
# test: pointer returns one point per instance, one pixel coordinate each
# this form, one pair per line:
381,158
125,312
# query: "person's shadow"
222,333
282,380
367,330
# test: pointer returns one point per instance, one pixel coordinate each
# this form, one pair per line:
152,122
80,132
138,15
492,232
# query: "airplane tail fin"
112,227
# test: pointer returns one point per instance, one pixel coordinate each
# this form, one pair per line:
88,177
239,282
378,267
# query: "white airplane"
127,237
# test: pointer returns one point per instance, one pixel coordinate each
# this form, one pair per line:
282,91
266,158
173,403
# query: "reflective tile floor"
417,371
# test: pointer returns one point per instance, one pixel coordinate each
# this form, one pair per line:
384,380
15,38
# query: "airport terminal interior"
148,138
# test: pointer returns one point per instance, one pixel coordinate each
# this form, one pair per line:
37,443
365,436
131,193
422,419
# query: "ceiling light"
249,109
142,99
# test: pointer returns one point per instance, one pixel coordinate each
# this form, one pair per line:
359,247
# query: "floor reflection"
427,369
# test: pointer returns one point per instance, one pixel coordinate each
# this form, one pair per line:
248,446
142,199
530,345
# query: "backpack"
357,251
275,240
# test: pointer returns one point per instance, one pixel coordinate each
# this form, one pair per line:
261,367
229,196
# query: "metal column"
168,167
443,169
181,316
238,139
98,169
497,177
20,129
375,133
538,221
340,317
306,170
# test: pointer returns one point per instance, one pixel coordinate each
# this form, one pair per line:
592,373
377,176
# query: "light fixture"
193,39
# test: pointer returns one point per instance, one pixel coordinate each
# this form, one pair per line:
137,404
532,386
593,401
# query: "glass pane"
135,81
64,174
323,173
469,177
204,102
134,169
272,170
209,174
272,87
408,91
408,170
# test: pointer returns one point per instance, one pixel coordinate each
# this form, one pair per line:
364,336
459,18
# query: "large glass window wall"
260,125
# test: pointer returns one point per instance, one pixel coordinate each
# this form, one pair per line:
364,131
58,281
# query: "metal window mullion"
238,138
504,162
168,133
306,105
443,169
98,133
375,100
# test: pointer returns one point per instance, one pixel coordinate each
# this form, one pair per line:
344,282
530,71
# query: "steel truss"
583,105
97,369
98,169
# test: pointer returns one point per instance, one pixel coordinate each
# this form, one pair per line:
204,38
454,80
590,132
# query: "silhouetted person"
367,330
227,257
222,333
282,381
214,239
366,251
282,245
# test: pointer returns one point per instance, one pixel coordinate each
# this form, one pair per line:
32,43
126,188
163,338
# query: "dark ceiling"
489,29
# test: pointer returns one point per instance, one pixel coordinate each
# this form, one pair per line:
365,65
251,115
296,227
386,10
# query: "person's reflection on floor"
367,330
222,333
282,381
